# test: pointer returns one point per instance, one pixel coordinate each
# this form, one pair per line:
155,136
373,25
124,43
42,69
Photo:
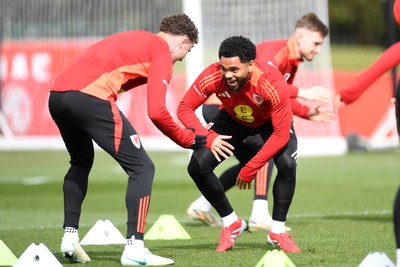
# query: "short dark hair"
311,22
238,46
180,24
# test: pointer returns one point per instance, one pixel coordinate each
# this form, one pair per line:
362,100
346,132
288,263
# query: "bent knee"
288,166
198,166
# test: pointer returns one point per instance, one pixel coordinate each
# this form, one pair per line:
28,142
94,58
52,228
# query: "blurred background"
39,38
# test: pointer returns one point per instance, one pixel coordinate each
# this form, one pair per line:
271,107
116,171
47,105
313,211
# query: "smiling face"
309,43
235,73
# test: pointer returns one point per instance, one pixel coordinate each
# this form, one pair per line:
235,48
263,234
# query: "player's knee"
82,162
287,166
149,168
194,168
197,167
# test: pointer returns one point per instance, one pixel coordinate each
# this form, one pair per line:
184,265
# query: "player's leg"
112,131
200,209
201,170
260,218
128,151
80,148
396,221
283,192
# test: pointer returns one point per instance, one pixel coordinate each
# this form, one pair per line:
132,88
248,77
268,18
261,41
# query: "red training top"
281,54
122,62
264,97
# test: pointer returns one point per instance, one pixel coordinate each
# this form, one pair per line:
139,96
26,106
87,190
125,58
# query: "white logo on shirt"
269,62
225,94
286,76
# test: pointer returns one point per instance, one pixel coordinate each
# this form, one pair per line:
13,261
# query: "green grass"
346,57
342,208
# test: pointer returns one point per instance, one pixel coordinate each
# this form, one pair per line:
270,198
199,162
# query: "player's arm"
315,113
281,117
158,78
315,93
299,109
388,59
197,94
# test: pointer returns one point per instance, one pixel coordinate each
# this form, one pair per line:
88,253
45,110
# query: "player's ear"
298,33
184,41
251,65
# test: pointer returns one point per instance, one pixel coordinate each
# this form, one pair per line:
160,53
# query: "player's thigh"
286,158
76,139
117,137
202,162
132,156
209,112
249,148
78,143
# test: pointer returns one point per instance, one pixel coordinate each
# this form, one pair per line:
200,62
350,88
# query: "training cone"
7,258
37,256
166,227
376,259
275,258
103,233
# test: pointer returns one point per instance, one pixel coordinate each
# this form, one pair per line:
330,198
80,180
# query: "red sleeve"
294,91
396,11
157,82
281,117
197,94
186,111
299,109
276,53
389,59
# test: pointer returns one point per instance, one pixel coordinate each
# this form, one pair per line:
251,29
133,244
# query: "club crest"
258,99
135,140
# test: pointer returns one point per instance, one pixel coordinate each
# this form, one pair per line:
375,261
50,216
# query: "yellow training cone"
7,258
166,227
275,258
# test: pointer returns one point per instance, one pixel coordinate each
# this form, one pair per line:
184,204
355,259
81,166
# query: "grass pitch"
342,209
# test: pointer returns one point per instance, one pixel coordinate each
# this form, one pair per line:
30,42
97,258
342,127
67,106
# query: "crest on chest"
258,99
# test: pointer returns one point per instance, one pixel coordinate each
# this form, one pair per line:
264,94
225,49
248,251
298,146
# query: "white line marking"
36,180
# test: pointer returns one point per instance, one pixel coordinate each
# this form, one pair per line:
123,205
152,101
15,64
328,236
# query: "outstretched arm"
315,93
388,59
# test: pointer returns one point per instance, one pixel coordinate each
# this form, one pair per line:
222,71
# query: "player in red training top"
82,103
389,59
255,101
285,55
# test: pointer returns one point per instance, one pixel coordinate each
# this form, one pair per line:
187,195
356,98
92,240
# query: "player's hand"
242,184
198,142
337,102
316,93
219,147
321,114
